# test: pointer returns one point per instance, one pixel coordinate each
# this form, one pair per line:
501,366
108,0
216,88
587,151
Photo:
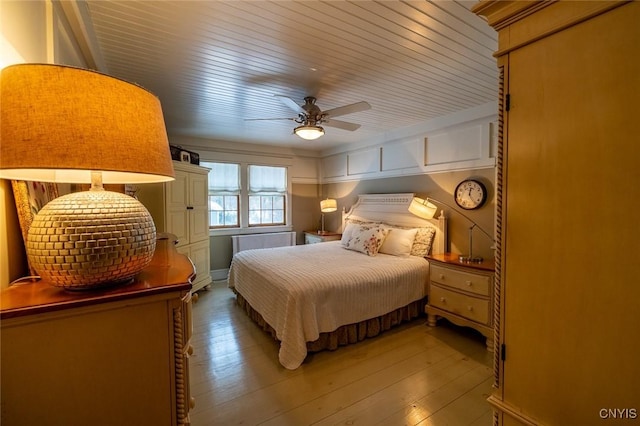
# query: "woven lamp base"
91,239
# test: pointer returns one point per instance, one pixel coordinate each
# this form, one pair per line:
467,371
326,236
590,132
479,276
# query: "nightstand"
461,293
312,237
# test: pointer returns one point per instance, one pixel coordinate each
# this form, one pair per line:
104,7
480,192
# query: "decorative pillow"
366,239
357,221
398,242
350,225
422,242
346,232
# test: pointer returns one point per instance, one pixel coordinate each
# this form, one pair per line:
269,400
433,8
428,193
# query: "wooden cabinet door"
199,255
177,193
198,207
571,199
102,365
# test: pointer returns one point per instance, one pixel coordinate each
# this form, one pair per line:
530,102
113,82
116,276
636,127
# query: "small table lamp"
327,206
66,124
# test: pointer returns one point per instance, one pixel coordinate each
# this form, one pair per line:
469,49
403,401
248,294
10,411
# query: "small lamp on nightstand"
66,124
327,206
425,209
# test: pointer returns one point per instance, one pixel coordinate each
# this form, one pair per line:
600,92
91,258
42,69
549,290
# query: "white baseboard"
220,274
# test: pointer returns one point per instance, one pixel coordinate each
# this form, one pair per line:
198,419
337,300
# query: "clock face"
470,194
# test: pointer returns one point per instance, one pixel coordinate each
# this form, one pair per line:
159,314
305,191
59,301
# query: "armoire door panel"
178,223
178,191
199,191
570,305
199,224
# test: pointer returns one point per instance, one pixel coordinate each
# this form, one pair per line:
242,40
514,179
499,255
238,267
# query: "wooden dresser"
117,356
461,293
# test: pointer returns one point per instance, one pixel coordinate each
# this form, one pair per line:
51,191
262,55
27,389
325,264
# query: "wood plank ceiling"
214,64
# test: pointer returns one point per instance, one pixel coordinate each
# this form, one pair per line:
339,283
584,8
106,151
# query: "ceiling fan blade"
263,119
347,109
291,104
341,125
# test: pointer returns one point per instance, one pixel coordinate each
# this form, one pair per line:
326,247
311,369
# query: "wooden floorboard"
410,375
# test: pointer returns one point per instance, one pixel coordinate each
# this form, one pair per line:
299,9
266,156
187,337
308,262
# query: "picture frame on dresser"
29,198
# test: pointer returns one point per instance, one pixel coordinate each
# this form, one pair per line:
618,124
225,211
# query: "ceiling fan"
310,116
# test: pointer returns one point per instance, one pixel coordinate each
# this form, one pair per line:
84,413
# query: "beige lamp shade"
329,205
60,123
422,208
65,124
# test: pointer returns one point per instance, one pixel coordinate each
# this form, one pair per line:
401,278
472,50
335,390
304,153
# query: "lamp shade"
59,123
65,124
309,132
329,205
422,208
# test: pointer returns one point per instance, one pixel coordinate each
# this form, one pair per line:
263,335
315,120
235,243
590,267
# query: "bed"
321,296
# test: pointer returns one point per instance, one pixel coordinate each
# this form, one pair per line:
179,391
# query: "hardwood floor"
410,375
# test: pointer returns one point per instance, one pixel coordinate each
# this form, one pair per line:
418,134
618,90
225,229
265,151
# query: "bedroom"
307,194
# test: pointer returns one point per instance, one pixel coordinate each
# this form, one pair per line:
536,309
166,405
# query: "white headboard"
394,210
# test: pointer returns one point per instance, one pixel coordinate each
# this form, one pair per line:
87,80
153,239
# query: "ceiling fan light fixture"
309,132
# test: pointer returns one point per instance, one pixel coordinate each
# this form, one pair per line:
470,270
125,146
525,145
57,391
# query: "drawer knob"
468,283
469,308
442,299
192,402
442,276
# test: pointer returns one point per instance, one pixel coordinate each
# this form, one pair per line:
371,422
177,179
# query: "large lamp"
425,209
309,132
327,206
66,124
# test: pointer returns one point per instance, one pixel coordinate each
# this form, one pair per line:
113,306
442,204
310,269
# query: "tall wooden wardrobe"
181,207
568,212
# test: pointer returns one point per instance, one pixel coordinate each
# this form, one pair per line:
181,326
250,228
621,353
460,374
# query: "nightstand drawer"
472,283
470,307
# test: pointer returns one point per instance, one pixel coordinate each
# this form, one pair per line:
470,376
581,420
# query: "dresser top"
168,271
452,259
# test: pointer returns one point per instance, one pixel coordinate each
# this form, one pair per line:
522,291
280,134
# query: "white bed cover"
302,291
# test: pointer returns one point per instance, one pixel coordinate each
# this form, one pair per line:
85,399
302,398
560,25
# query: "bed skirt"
347,334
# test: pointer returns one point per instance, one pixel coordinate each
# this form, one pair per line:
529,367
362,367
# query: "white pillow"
398,242
366,239
346,233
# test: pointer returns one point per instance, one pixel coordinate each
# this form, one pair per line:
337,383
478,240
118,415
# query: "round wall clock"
470,194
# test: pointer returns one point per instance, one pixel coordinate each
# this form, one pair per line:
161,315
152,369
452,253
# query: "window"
224,191
267,190
246,195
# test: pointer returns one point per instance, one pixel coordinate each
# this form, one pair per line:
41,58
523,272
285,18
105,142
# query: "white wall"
461,141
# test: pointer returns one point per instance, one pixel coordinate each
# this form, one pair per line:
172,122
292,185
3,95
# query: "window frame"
234,226
284,209
243,201
234,193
